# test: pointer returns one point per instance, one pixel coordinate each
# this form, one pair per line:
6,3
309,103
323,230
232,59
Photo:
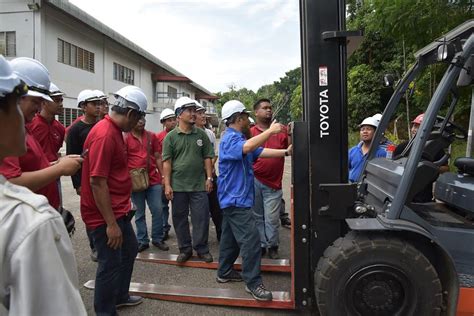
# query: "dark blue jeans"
115,267
198,204
240,235
152,196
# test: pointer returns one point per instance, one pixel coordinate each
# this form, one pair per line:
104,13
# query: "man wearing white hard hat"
36,248
187,167
89,102
168,119
105,201
33,170
48,131
358,153
236,198
104,103
384,142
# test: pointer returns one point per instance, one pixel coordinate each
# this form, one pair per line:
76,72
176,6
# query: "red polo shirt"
107,158
49,135
137,154
34,160
161,138
269,171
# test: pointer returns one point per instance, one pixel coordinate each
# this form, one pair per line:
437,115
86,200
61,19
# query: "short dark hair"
120,110
256,105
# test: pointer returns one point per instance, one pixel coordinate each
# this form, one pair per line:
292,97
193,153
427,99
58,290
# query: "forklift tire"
374,274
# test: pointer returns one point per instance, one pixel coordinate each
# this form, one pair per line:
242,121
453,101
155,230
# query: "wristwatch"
210,179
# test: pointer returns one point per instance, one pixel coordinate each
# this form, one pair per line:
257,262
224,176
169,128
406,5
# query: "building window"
68,116
124,74
75,56
8,44
172,92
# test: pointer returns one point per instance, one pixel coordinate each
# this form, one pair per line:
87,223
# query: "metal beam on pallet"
267,265
208,296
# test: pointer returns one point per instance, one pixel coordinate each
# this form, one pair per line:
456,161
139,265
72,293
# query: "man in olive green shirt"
187,167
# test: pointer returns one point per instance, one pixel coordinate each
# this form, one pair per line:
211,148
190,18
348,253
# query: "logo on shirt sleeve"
199,142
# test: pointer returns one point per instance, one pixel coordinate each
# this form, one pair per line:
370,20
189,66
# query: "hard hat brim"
33,93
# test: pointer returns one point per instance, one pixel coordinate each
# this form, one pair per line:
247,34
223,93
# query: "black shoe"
184,256
161,245
166,236
142,247
94,255
285,222
260,293
206,257
132,301
273,253
264,251
233,276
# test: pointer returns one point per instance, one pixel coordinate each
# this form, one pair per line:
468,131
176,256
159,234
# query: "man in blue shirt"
358,153
236,197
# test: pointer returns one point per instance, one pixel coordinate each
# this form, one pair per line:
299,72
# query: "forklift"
366,248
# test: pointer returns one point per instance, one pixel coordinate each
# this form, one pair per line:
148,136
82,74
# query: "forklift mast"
320,154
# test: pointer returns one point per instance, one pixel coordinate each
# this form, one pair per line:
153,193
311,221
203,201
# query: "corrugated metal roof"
77,13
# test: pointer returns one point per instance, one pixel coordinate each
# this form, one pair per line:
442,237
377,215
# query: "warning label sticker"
323,76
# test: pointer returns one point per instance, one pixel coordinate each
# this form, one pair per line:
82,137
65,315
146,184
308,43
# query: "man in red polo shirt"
48,131
268,175
33,170
168,119
105,201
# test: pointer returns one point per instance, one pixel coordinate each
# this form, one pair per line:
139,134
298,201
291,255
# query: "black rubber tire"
351,270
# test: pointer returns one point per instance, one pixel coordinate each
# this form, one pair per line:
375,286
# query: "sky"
215,43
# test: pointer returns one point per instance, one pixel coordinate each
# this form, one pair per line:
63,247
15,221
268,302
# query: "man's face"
92,108
132,118
245,124
264,112
104,107
53,107
201,118
414,129
367,133
170,123
30,106
140,125
58,99
188,115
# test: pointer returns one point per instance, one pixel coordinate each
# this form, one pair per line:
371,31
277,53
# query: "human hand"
70,164
275,127
209,185
169,192
290,150
114,236
78,191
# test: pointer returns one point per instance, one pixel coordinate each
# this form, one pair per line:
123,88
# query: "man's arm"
167,179
275,153
100,191
35,180
208,167
159,163
256,141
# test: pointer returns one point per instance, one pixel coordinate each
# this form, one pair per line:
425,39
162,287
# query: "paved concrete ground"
172,275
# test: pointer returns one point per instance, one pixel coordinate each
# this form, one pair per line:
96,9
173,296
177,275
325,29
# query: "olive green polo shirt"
187,152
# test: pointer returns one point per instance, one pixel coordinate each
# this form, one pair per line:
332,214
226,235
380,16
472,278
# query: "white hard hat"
199,106
377,117
166,114
86,96
54,90
184,102
100,94
132,97
232,107
8,80
34,74
370,121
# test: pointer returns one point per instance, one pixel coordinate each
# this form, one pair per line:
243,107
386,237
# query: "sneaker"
132,301
273,253
233,276
94,255
206,257
260,293
184,256
142,247
285,222
161,245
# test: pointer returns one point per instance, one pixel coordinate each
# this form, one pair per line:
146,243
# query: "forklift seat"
465,165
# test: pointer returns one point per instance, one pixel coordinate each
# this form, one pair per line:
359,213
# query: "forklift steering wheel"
452,127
